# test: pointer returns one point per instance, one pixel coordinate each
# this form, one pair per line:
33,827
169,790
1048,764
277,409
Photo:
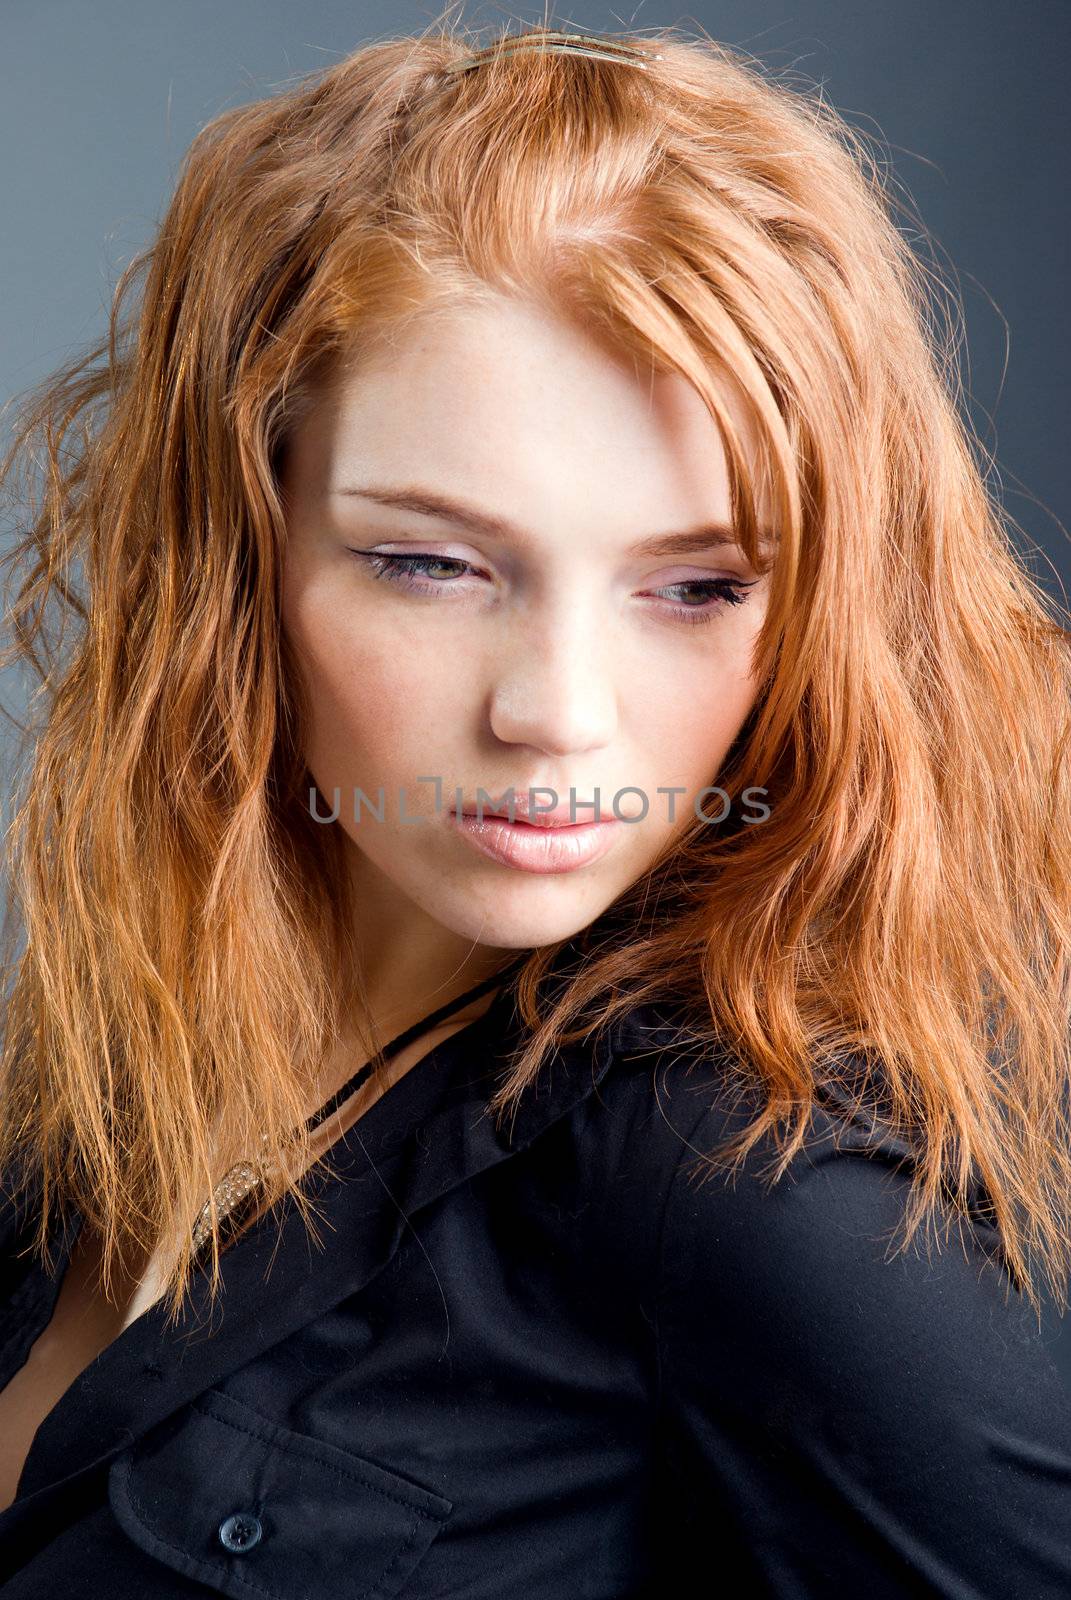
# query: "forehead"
514,399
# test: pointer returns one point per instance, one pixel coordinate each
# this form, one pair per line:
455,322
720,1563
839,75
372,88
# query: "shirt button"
240,1532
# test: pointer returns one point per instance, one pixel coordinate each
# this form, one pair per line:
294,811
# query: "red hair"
898,926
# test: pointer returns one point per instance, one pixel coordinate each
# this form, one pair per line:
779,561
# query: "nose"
556,691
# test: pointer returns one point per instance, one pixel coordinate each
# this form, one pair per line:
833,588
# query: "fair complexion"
544,649
525,464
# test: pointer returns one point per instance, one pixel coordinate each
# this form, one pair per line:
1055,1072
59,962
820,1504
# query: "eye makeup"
413,573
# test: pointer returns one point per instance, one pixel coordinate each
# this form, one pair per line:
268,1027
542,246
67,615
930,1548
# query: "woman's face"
524,638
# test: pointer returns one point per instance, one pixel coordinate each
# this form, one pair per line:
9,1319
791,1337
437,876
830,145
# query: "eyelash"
400,570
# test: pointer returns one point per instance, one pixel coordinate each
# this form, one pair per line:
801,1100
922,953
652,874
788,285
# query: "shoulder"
888,1413
804,1288
823,1242
670,1098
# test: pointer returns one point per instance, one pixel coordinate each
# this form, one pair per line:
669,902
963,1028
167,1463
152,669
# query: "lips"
551,847
565,814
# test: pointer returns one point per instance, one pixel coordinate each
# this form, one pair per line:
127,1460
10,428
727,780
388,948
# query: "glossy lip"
529,810
538,849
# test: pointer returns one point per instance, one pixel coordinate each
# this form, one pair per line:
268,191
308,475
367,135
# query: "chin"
523,919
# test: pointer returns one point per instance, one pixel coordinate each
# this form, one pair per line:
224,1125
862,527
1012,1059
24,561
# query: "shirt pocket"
233,1500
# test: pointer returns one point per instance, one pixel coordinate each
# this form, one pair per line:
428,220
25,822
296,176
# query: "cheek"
696,712
379,694
691,745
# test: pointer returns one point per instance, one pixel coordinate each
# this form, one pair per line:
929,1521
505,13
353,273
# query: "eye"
417,574
406,571
715,594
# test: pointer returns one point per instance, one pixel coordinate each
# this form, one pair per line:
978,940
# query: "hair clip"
598,46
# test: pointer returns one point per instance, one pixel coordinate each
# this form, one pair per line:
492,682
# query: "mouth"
567,814
547,842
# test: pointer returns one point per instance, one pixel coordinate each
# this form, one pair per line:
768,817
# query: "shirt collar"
430,1132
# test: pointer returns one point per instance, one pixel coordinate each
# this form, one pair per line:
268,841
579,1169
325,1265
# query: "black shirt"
549,1362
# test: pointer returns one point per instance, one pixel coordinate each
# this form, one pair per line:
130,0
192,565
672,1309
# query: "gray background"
99,99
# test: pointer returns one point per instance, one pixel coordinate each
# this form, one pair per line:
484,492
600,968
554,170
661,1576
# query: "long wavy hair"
897,927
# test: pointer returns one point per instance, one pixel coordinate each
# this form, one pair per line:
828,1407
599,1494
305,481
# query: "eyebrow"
431,503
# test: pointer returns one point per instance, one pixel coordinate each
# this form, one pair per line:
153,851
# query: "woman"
556,430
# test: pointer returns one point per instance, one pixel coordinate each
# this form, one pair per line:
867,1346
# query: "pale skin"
547,652
562,656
